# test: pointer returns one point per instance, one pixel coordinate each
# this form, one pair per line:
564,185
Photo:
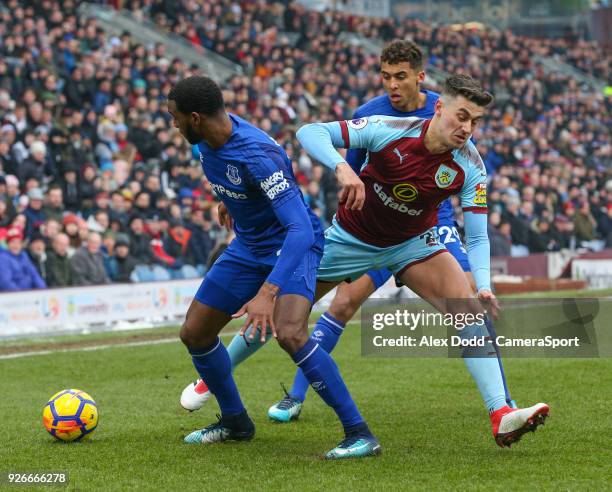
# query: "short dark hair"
402,50
197,94
466,86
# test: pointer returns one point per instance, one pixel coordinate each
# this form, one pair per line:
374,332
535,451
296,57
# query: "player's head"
459,109
401,68
193,102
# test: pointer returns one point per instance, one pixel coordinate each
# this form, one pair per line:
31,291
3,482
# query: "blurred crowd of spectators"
97,187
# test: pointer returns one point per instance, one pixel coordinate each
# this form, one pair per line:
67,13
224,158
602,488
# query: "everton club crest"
232,175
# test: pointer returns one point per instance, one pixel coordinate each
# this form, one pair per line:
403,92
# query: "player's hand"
260,313
352,192
225,219
489,301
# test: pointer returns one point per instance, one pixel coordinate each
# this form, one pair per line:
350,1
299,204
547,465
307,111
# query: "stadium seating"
83,112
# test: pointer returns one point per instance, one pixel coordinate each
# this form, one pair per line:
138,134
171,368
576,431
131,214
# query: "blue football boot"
221,432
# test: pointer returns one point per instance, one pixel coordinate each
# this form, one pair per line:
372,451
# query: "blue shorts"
379,277
237,275
347,258
448,235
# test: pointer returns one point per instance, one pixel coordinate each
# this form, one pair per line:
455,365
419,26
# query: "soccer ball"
70,415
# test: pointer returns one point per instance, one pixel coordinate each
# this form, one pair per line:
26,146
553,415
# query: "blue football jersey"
381,105
253,176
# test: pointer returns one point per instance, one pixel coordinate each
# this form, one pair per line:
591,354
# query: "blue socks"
214,366
484,367
326,333
240,348
322,373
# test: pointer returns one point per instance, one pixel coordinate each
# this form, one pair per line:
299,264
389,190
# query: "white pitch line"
97,347
18,355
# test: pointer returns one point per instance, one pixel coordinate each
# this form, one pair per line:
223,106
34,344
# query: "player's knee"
342,308
292,338
186,335
192,337
461,306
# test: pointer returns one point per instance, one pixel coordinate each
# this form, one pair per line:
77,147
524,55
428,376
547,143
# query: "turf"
427,413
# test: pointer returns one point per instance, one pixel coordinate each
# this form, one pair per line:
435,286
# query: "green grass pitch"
427,413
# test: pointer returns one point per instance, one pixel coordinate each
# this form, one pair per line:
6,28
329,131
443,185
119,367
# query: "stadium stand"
86,145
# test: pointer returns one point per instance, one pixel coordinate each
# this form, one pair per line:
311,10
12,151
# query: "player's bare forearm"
225,219
268,289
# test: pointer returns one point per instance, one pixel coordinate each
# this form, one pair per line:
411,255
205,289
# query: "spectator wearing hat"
107,145
121,264
17,272
185,197
34,213
38,254
102,96
59,269
71,227
71,194
88,262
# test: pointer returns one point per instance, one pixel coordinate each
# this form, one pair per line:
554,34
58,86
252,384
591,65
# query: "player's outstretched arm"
320,140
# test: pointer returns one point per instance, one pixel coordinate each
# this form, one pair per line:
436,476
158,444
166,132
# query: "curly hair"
466,86
197,94
402,50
